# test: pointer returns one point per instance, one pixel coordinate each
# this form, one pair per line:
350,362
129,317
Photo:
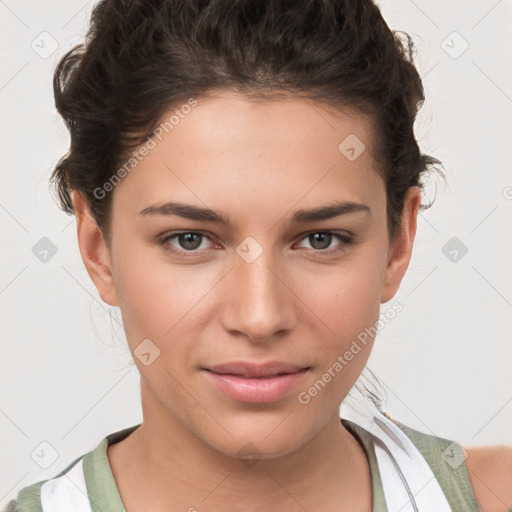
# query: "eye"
188,242
321,240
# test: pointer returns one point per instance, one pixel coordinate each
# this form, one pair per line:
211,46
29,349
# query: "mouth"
255,388
252,370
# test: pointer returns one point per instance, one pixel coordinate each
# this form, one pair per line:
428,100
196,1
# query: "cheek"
346,305
156,296
158,303
345,300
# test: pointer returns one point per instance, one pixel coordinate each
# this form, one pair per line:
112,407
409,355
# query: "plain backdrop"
66,375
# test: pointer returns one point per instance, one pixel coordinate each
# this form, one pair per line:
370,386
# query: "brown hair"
143,57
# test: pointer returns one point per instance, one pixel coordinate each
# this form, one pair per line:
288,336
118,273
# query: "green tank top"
103,495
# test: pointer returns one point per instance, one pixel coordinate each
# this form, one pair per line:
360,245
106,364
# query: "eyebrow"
192,212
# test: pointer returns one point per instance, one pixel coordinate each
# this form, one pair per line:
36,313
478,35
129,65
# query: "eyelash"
341,236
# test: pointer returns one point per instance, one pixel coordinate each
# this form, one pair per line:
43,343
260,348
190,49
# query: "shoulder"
28,499
89,472
446,459
486,469
490,472
32,497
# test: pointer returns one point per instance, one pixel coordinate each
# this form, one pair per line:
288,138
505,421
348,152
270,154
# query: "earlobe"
401,248
94,250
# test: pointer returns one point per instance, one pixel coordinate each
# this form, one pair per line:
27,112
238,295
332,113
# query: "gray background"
66,375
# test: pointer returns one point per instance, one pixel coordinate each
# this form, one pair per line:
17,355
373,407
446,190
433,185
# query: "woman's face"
262,287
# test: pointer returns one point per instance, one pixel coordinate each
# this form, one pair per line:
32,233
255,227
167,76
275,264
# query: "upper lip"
248,369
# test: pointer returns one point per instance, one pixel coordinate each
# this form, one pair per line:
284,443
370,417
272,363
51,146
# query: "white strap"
67,493
397,497
407,479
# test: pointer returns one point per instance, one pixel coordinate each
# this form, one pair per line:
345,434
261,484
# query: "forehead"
229,150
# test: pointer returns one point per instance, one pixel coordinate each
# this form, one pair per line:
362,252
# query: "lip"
248,383
248,369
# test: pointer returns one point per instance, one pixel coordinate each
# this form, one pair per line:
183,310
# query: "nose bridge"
259,302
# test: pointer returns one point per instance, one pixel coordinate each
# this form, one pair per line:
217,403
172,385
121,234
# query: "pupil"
188,237
322,238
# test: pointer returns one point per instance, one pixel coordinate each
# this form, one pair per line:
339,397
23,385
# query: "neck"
165,464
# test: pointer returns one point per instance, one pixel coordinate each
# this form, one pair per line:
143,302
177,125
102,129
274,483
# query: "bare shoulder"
490,472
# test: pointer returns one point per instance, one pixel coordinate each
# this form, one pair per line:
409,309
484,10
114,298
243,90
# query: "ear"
94,250
400,250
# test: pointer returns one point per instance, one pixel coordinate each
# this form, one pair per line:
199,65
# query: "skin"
297,302
490,472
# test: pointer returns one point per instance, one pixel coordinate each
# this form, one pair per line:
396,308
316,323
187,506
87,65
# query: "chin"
251,443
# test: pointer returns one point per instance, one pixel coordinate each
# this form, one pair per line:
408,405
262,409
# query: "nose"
258,300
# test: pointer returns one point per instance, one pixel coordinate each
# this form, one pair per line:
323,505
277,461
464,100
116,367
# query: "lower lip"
255,390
